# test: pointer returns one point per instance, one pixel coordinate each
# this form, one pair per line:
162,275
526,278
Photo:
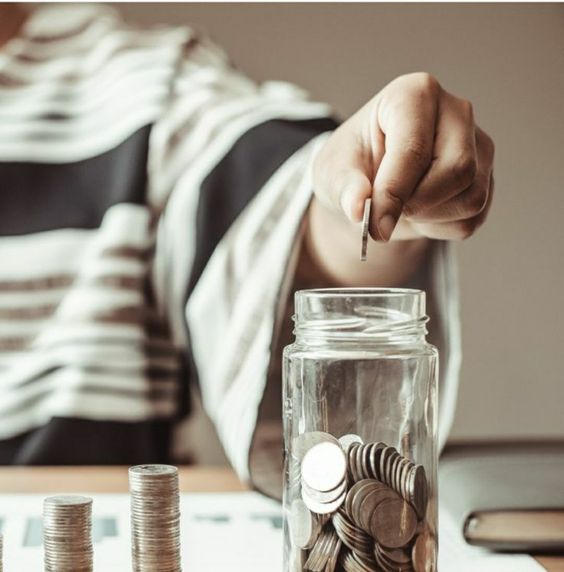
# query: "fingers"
454,165
460,229
416,150
408,123
469,202
343,172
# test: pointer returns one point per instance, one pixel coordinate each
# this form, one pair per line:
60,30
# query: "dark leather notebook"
507,496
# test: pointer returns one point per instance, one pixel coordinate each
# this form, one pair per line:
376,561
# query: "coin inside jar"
394,523
324,467
304,442
424,552
324,508
304,527
347,440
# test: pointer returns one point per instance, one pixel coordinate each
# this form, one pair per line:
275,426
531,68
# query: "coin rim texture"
365,228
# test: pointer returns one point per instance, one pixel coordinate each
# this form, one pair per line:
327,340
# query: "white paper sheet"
231,532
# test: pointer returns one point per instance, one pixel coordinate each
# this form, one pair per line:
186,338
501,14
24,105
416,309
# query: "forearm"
332,254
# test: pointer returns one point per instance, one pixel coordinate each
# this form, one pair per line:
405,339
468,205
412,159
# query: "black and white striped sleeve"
234,159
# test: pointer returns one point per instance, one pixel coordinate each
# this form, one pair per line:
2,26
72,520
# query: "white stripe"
31,298
73,251
124,358
85,63
177,226
60,19
126,67
67,332
121,374
25,113
137,99
238,307
63,397
81,146
76,378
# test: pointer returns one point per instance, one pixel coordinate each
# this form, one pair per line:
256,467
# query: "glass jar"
360,430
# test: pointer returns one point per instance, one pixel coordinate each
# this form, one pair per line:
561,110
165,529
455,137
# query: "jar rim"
361,291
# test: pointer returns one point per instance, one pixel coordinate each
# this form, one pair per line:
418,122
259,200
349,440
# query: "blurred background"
508,59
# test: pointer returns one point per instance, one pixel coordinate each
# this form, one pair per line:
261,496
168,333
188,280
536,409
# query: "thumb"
343,175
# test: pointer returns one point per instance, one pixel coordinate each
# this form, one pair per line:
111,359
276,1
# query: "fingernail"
347,198
386,226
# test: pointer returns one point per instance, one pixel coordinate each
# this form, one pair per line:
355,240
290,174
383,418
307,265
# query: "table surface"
114,480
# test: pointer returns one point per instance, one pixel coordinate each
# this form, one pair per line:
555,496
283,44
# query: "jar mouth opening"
366,312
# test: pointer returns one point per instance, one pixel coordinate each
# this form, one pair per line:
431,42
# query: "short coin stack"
362,508
67,534
155,518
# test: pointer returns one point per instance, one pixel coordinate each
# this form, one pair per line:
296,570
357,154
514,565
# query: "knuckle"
464,170
476,201
467,109
393,196
418,152
464,229
490,146
427,83
486,143
412,209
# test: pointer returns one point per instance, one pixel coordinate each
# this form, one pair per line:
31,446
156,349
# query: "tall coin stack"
67,534
362,508
155,518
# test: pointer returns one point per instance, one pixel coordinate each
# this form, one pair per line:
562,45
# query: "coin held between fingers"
365,228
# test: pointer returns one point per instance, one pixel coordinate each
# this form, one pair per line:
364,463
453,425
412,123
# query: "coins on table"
365,228
67,534
362,507
155,518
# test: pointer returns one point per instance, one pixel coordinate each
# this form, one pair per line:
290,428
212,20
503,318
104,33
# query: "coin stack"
67,534
155,518
362,508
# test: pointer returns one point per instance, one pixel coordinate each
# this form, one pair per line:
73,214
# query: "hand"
416,150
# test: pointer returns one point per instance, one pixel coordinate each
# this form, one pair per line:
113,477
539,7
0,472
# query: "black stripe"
229,188
65,441
240,175
36,197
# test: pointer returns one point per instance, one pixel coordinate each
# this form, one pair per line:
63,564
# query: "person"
158,209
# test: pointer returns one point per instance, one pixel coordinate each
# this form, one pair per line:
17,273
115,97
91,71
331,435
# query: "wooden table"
114,480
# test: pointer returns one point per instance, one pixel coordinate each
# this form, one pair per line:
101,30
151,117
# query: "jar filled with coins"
360,428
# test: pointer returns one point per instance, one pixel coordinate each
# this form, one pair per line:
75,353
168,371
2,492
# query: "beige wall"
509,60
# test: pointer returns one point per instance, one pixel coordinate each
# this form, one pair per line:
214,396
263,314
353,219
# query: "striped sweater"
151,199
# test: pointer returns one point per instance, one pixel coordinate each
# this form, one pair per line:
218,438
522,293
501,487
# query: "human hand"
416,150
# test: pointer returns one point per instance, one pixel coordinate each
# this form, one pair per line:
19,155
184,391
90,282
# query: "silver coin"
324,467
304,526
347,440
304,442
365,229
324,496
324,508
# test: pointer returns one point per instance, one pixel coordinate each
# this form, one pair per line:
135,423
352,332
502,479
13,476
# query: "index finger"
409,128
